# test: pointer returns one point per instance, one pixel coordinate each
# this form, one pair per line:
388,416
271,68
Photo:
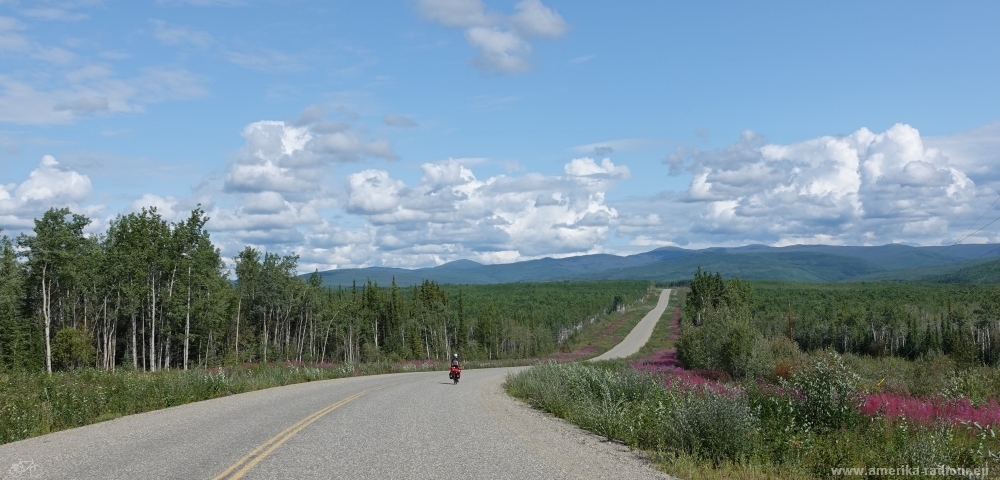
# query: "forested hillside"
900,319
150,294
907,320
799,263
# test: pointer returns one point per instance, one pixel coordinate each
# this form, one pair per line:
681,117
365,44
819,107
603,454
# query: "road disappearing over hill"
640,334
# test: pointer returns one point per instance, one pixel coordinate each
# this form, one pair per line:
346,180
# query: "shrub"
544,386
746,354
931,376
785,354
72,348
691,349
826,393
726,341
782,348
714,425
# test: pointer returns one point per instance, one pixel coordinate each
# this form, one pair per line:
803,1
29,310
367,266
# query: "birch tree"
51,253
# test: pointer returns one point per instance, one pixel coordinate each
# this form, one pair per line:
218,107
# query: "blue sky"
417,132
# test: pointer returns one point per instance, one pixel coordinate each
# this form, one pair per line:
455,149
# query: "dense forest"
150,294
906,320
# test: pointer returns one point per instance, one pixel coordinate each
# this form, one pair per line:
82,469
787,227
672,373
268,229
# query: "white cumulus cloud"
450,213
501,40
372,191
862,188
49,185
294,159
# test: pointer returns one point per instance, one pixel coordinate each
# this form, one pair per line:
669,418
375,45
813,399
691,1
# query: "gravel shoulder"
572,451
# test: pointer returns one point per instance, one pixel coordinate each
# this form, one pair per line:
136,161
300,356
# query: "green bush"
690,348
726,341
825,393
745,353
72,348
716,426
784,349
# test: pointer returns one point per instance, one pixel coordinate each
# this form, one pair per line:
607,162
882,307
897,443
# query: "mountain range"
804,263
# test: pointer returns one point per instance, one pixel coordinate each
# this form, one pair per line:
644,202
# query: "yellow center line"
253,458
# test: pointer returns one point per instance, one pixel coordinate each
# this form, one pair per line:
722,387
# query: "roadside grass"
34,403
801,429
691,466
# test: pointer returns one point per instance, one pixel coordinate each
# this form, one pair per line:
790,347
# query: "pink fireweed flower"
675,377
930,411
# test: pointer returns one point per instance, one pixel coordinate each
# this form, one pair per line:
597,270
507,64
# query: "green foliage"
54,263
784,349
825,393
711,292
72,348
706,291
18,348
692,350
898,319
744,353
718,426
620,403
722,335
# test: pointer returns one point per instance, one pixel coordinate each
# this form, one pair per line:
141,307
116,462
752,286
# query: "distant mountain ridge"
806,263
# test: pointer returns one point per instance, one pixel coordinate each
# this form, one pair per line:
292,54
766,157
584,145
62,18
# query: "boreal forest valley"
823,361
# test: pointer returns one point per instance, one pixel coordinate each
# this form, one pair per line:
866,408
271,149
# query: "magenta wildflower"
932,410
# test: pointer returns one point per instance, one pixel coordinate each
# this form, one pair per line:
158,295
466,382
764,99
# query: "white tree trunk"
239,303
152,327
187,322
47,313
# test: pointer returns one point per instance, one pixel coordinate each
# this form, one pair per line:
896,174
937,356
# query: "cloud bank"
451,213
327,192
859,189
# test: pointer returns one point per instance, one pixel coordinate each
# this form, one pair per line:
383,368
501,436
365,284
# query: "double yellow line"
235,471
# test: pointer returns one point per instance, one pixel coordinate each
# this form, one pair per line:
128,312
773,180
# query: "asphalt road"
414,425
640,334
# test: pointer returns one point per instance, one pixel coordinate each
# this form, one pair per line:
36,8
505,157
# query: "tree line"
908,320
150,294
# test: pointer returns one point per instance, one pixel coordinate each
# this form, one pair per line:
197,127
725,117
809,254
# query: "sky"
417,132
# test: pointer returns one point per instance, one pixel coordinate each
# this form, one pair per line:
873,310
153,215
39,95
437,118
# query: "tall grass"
803,428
